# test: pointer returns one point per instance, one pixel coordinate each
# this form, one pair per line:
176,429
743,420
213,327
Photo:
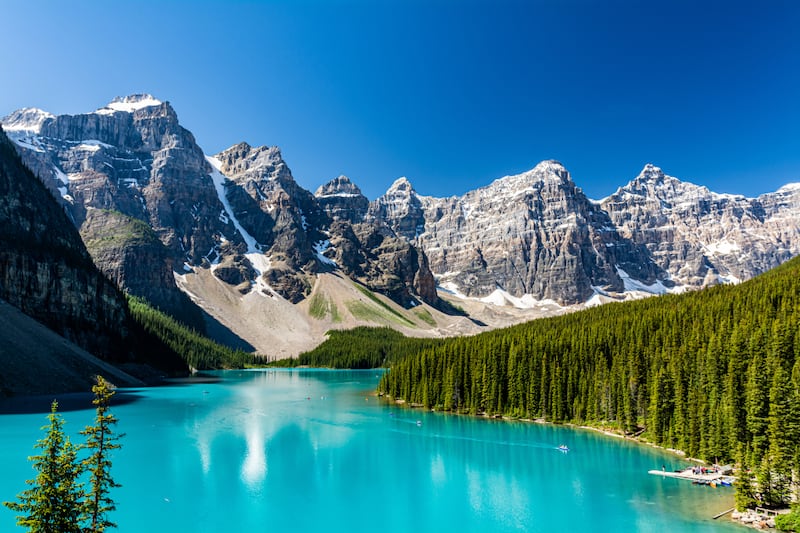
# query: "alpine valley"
232,246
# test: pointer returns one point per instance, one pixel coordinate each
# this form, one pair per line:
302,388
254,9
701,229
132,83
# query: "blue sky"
451,94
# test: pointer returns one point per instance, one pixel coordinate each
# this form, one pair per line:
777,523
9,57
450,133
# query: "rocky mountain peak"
341,186
341,199
262,162
548,172
401,185
26,119
650,172
653,183
552,167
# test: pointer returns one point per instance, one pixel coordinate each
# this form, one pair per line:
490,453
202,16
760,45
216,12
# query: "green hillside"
197,351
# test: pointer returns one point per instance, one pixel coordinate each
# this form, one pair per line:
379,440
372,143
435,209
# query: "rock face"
306,234
151,205
341,199
533,234
130,160
45,270
536,235
701,237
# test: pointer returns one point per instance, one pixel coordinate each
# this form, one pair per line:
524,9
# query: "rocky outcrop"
700,237
533,237
46,272
129,252
131,158
341,199
532,234
306,234
402,209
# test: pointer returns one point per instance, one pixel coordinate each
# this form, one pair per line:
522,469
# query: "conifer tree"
101,441
51,504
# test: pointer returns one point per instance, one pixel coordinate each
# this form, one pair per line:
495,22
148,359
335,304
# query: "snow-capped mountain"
534,236
700,237
150,203
152,208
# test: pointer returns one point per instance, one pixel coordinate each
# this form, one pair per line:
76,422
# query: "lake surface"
314,450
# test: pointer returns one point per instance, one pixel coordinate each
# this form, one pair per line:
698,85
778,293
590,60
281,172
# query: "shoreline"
603,431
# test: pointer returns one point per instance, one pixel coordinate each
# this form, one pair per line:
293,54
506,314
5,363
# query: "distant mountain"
534,236
158,214
219,240
701,237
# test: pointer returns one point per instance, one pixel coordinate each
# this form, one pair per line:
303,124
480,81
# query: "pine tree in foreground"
101,441
52,503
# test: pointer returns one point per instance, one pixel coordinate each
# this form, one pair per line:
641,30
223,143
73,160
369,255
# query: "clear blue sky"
450,93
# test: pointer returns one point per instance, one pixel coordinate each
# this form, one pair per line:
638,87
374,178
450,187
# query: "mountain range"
232,245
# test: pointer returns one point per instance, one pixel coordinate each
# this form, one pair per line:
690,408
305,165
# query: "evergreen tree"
101,441
745,491
51,504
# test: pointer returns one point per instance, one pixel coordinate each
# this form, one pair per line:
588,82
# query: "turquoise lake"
315,451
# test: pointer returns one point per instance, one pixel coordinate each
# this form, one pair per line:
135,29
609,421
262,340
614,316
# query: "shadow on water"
67,401
78,401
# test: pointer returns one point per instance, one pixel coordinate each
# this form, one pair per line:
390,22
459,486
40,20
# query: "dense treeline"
361,347
715,373
198,351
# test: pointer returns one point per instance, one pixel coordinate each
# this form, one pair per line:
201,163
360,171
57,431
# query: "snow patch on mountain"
320,248
501,298
257,258
723,247
129,104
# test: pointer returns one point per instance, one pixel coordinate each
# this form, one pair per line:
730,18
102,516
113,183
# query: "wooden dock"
690,475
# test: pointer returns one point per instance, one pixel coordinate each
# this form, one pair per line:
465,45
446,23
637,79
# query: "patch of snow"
26,140
501,298
257,258
723,247
320,248
92,145
498,297
339,195
636,285
60,176
187,267
451,288
594,300
129,104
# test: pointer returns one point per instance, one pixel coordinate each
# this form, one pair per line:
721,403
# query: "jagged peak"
653,182
650,172
549,165
26,119
790,187
129,104
339,186
401,184
245,150
547,170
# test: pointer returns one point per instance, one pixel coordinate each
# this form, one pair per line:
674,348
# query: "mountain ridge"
532,241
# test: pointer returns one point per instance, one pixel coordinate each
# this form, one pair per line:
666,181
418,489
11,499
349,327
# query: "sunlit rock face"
534,234
701,237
